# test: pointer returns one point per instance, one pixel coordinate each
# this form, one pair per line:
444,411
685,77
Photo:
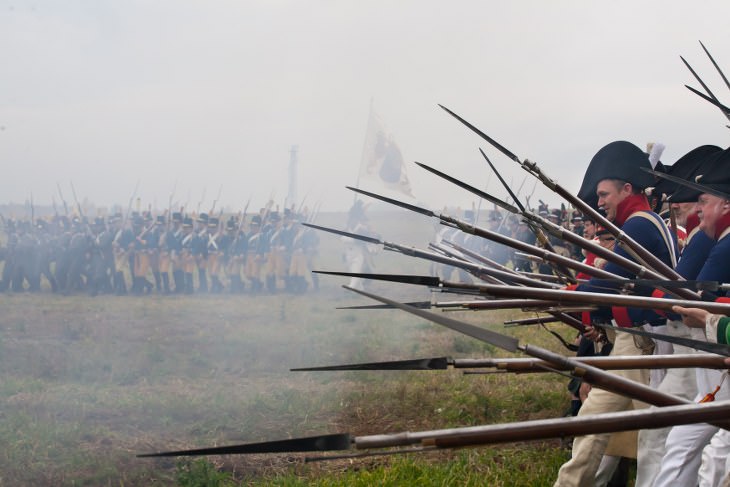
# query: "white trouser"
684,445
678,382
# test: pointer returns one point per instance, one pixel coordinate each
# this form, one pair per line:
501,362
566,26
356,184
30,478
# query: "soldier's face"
589,230
710,209
610,194
682,211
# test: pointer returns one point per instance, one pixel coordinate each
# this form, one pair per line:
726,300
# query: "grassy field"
87,383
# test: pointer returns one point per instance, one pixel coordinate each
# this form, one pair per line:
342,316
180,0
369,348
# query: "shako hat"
618,160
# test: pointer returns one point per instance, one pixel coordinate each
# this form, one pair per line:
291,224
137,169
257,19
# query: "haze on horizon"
207,95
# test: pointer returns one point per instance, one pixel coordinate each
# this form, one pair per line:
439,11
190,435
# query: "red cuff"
658,293
723,299
570,287
585,317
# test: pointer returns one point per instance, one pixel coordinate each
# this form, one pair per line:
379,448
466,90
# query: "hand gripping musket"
496,237
531,365
718,348
473,436
628,243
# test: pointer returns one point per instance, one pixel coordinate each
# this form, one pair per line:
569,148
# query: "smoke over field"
88,383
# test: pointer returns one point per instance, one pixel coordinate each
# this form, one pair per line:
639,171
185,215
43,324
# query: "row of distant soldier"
176,254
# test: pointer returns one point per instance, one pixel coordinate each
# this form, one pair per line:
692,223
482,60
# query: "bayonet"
631,246
707,89
715,64
562,297
724,108
472,436
496,237
590,374
531,365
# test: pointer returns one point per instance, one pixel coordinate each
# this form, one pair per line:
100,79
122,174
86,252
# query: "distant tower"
291,198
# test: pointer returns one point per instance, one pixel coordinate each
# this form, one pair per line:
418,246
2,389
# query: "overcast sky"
210,93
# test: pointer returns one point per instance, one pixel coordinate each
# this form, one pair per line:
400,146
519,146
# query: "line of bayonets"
507,288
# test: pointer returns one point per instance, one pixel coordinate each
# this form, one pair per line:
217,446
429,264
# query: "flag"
382,161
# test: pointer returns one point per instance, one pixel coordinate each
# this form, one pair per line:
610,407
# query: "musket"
541,237
76,200
32,210
470,305
588,373
496,237
55,209
711,286
473,436
65,206
565,318
530,321
707,89
727,83
468,436
126,214
501,276
553,295
479,271
212,208
531,365
718,348
628,243
202,198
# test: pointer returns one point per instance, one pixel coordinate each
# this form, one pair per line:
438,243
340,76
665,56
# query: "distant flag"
382,161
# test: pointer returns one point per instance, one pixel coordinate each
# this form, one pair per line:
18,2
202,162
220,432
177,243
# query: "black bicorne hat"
618,160
686,167
713,171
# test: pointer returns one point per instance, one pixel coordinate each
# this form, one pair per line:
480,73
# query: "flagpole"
368,129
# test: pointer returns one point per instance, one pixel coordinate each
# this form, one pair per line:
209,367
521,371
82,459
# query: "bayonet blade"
415,304
727,83
313,443
344,234
714,101
430,281
436,363
408,206
470,188
484,136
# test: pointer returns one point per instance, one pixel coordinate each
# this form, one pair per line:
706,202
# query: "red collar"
692,221
630,205
722,224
